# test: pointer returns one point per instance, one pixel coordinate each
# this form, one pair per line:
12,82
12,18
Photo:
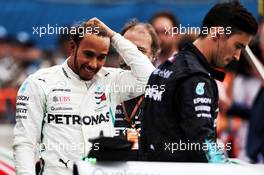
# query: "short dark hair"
230,14
165,14
155,45
77,33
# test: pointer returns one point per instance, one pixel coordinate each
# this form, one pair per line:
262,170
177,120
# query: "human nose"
93,62
237,54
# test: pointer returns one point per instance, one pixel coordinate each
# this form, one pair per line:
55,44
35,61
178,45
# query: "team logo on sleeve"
24,87
200,88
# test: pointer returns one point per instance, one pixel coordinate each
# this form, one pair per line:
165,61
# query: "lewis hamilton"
61,107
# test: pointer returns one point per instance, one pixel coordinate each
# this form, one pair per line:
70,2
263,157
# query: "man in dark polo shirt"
181,99
128,113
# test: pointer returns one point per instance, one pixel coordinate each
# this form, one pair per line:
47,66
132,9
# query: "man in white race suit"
62,107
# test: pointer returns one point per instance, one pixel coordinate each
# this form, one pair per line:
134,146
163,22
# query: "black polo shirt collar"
216,74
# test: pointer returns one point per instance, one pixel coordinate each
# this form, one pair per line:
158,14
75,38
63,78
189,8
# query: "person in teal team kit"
179,120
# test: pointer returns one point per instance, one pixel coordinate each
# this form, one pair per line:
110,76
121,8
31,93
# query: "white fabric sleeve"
27,131
131,83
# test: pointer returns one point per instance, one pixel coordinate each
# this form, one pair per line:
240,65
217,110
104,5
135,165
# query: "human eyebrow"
88,53
142,49
240,46
102,56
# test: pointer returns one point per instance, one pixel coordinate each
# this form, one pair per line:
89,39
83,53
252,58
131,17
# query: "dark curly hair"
89,27
230,14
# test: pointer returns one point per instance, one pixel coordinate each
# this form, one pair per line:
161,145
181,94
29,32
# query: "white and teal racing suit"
58,110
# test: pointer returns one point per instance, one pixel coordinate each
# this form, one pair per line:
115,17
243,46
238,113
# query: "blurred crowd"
20,57
240,93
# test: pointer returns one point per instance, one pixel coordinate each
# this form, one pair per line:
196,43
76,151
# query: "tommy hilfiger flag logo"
99,96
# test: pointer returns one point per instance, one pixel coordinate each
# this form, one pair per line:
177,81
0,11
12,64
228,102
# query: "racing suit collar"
215,73
70,74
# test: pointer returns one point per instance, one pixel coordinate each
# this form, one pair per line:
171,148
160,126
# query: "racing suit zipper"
87,86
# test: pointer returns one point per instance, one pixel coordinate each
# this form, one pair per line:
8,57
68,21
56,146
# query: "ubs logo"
62,99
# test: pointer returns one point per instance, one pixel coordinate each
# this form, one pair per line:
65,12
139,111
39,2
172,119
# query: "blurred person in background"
128,113
19,58
113,59
5,60
233,125
4,48
244,97
51,57
4,63
255,139
184,105
63,50
244,108
243,124
261,39
63,107
163,21
23,60
187,38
